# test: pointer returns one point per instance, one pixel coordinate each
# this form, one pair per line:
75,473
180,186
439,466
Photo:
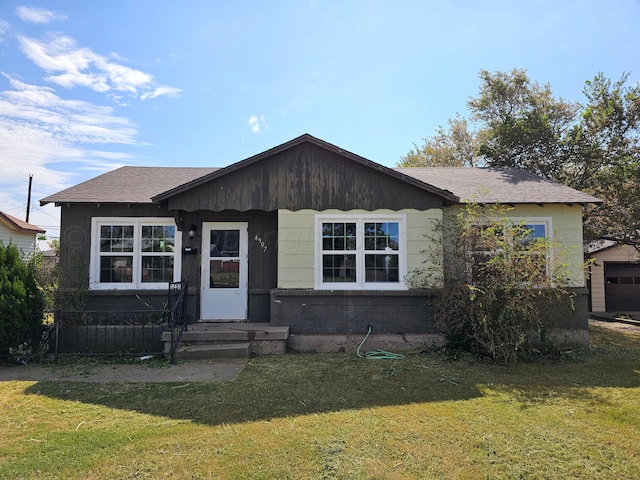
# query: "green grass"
334,416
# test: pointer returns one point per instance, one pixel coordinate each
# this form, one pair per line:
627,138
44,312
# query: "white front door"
224,271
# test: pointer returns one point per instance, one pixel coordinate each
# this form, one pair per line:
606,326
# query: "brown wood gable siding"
304,176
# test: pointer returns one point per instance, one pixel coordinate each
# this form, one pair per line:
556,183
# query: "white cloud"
256,123
169,91
38,129
38,15
4,28
70,66
60,140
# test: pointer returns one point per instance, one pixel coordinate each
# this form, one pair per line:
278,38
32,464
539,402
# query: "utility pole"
29,197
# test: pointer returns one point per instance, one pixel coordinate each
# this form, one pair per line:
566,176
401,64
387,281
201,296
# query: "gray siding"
76,242
307,311
75,225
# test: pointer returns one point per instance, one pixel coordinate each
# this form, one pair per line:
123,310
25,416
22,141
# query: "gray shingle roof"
483,185
128,185
497,185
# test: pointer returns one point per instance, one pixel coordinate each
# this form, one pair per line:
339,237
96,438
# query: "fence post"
56,322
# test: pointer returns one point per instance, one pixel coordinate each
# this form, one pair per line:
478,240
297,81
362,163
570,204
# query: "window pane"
381,268
224,274
537,230
116,269
381,236
339,236
116,238
532,232
626,280
339,268
158,238
157,269
612,280
224,243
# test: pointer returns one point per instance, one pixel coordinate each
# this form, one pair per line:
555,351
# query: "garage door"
622,286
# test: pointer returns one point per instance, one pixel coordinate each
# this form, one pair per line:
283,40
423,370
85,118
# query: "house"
22,234
305,235
614,277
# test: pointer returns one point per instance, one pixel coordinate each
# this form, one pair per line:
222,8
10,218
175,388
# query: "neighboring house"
614,277
22,234
304,235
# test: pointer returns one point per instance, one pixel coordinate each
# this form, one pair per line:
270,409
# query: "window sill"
292,292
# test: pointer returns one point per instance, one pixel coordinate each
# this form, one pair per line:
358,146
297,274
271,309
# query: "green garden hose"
377,354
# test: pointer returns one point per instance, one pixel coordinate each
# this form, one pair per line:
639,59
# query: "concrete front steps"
205,340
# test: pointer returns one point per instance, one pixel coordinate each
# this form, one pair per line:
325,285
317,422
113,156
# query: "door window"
224,259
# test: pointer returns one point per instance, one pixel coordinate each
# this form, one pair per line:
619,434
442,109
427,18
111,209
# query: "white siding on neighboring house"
618,253
22,234
26,242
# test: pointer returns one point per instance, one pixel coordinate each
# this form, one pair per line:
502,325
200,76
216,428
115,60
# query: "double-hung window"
518,240
134,253
360,252
530,252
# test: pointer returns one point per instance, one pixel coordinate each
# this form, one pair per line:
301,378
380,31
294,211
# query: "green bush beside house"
21,300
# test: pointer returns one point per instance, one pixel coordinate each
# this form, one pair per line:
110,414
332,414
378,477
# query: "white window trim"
546,221
360,219
138,223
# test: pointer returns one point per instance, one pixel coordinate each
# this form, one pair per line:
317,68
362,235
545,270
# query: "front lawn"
326,416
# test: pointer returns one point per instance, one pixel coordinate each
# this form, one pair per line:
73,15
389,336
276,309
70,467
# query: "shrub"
498,283
65,286
21,301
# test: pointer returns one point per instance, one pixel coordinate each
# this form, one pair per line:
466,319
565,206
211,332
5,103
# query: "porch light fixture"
192,231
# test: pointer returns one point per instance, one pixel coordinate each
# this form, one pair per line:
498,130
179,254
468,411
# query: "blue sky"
86,87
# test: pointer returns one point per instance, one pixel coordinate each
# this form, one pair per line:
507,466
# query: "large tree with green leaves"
524,124
456,146
593,145
604,157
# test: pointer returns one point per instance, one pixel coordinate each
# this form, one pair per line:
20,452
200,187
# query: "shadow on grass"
303,384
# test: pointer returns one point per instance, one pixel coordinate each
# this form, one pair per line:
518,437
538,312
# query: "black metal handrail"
177,314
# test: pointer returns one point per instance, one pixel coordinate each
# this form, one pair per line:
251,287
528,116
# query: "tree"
593,146
455,147
604,156
21,301
525,124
